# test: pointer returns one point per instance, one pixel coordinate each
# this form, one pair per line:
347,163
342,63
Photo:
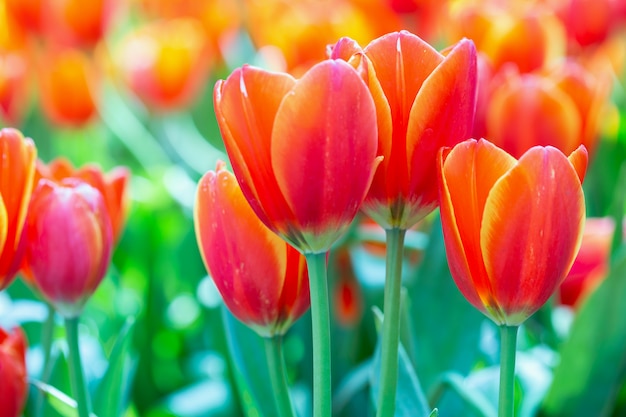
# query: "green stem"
276,365
391,324
508,346
46,344
77,378
320,316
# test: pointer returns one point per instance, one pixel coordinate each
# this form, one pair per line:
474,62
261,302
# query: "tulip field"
312,208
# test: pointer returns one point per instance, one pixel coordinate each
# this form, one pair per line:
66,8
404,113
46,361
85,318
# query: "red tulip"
512,228
591,265
68,242
17,170
424,100
262,279
303,151
13,385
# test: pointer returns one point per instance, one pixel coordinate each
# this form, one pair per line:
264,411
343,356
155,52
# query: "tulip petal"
224,222
245,106
442,115
579,159
532,229
468,173
402,62
324,147
17,171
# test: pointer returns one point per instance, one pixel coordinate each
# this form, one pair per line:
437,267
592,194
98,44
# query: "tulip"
561,107
527,37
424,100
68,242
13,385
165,63
591,265
304,151
17,170
78,23
512,228
68,87
262,279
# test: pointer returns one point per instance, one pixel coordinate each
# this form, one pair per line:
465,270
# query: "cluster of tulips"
384,129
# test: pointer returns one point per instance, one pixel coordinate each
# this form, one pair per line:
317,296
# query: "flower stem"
320,316
276,365
391,324
46,344
77,378
506,404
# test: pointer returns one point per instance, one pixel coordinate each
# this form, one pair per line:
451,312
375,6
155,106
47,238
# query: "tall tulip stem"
508,350
316,263
77,379
47,332
276,365
391,323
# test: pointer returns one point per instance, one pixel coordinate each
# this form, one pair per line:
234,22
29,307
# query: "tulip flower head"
303,151
424,100
512,228
13,384
68,242
17,171
262,279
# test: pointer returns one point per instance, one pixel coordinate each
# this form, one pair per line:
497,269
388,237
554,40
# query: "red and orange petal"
17,171
13,379
166,63
69,242
14,86
68,81
262,280
27,13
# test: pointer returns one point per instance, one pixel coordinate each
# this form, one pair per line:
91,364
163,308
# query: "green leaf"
434,413
592,366
116,384
410,399
59,401
446,327
247,352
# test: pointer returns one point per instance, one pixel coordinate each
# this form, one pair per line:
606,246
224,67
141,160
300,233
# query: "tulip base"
77,378
391,323
320,316
508,350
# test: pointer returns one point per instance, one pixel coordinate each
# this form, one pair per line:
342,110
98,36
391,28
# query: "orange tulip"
424,100
79,23
68,81
13,384
112,185
512,228
303,151
527,37
68,242
166,63
561,108
17,171
262,279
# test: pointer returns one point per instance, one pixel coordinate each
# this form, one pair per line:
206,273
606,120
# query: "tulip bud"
68,242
